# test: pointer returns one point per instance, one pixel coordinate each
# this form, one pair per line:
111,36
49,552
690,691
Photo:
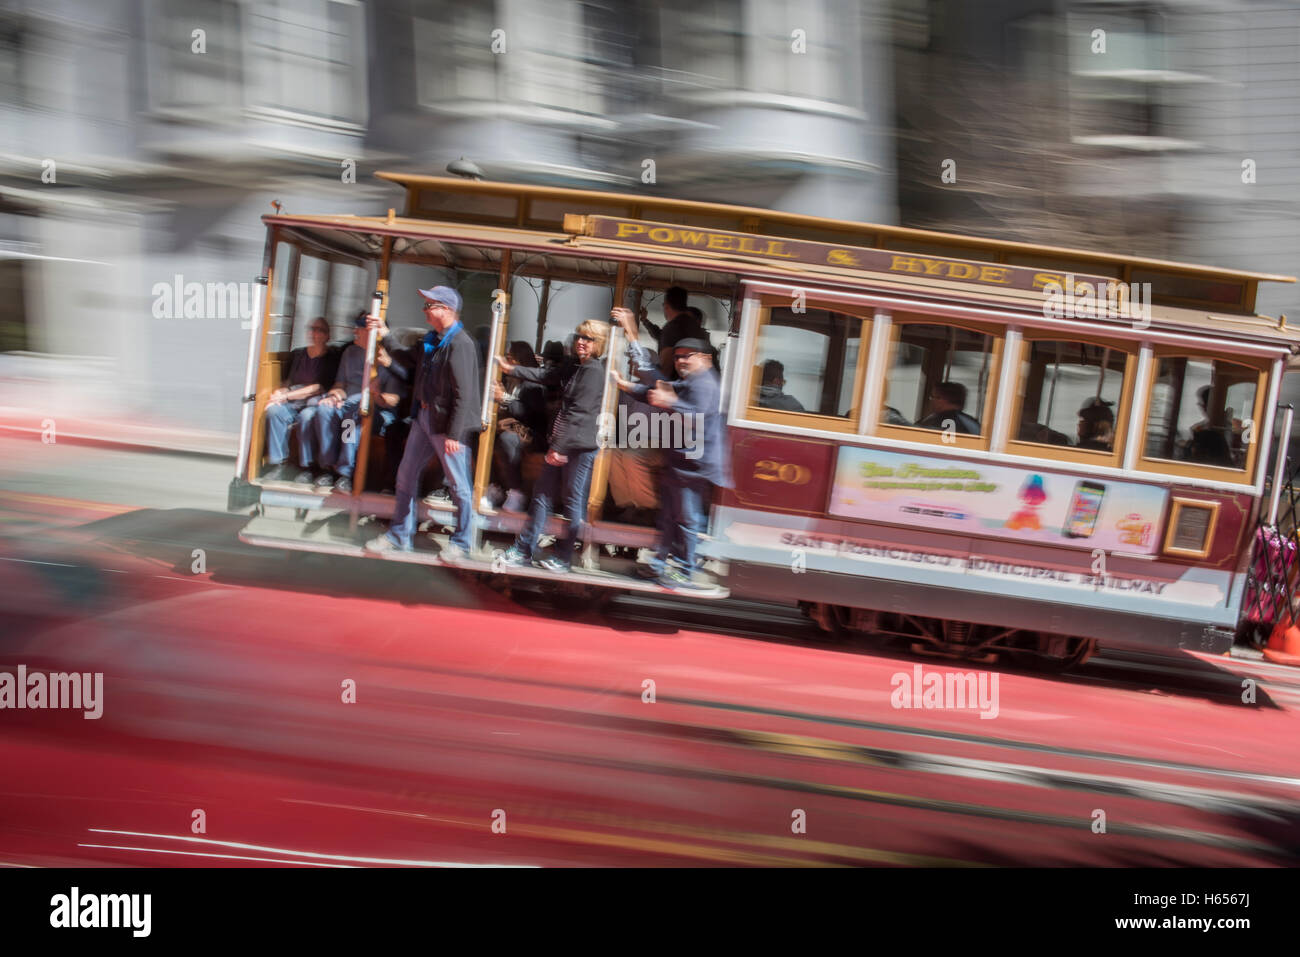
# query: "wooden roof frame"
780,224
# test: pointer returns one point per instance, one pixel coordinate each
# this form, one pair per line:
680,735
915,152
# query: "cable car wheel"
1053,652
952,638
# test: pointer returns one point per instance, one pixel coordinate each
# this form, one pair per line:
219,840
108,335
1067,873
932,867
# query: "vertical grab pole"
608,409
249,398
488,408
1279,467
368,372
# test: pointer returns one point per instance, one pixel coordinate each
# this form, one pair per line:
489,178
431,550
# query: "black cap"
695,345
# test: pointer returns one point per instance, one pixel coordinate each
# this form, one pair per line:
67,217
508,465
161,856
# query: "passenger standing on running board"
446,398
573,444
692,471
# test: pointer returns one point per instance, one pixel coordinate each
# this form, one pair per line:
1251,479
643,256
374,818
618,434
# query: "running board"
586,576
331,536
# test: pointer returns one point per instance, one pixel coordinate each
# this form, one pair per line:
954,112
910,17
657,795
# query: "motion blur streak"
227,857
283,850
763,745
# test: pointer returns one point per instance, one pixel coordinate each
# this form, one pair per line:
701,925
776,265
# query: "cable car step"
331,536
587,576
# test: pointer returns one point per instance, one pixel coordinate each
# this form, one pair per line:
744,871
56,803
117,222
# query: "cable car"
980,447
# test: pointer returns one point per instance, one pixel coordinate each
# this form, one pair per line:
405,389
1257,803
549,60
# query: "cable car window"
939,379
280,318
1071,394
1199,412
807,362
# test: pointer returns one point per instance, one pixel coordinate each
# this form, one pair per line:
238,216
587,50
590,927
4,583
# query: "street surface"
508,731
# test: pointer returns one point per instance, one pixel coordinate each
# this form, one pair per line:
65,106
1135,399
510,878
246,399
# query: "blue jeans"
421,446
569,483
681,520
334,452
280,419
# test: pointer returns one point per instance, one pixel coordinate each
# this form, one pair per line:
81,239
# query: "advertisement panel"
975,498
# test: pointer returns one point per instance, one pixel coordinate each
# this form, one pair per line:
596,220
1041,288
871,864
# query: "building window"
1126,96
939,384
703,44
808,368
782,47
821,30
536,54
308,57
13,40
180,79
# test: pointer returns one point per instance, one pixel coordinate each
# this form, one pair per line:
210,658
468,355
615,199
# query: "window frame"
1217,473
809,420
1115,458
910,433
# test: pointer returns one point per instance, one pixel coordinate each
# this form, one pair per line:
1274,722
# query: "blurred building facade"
143,140
1167,129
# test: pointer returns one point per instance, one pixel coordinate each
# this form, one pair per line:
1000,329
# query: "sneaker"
276,473
647,572
485,504
325,481
676,579
515,501
344,485
438,497
552,564
513,557
305,477
381,544
451,554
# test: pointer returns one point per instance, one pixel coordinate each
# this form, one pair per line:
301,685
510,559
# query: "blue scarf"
443,339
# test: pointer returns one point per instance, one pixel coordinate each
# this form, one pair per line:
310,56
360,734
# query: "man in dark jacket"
699,464
948,404
573,443
445,399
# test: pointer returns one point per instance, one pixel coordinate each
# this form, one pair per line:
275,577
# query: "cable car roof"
543,208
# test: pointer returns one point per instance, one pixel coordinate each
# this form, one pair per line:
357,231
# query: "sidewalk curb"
96,434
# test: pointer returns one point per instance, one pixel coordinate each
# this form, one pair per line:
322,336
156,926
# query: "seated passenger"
1097,426
947,400
771,394
521,426
1209,444
891,416
573,445
311,370
1042,434
390,391
338,420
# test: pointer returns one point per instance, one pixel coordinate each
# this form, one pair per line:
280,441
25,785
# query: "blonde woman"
566,478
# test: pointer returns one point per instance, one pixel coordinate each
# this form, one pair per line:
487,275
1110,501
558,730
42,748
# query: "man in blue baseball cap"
445,406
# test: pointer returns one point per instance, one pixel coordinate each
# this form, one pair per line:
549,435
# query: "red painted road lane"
201,690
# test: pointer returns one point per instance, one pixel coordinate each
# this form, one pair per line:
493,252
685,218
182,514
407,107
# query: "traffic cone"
1284,643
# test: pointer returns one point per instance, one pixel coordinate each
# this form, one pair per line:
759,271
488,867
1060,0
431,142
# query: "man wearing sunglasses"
445,403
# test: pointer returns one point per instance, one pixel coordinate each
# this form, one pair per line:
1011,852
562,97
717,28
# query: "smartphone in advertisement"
1081,520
